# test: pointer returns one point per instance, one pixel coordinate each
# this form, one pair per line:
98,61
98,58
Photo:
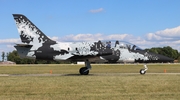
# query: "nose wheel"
143,71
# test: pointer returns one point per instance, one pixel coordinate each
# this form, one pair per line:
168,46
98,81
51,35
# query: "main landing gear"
143,71
85,70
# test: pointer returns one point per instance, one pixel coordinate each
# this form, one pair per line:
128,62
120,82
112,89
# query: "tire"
142,72
82,71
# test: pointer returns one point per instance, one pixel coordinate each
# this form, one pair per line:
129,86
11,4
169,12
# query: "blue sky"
146,23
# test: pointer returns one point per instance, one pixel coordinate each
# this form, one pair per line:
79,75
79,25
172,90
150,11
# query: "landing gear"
85,70
143,71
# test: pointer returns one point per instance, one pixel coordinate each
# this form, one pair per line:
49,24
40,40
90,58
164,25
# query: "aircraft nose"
160,58
165,58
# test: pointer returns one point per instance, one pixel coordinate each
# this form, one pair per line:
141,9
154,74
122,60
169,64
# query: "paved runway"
91,74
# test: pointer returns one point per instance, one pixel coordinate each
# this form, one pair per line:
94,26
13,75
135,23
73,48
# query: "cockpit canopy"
120,44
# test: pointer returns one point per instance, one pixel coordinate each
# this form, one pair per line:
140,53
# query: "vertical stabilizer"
29,33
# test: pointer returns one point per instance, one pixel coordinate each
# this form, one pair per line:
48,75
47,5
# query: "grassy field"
105,82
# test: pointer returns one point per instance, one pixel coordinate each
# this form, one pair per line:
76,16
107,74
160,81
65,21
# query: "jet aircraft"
36,45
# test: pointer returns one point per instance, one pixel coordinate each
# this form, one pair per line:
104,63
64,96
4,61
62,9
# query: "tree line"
13,56
166,51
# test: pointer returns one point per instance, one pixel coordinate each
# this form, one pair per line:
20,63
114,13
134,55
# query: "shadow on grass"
77,75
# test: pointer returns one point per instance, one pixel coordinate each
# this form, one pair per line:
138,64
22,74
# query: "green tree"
3,56
7,56
166,51
13,56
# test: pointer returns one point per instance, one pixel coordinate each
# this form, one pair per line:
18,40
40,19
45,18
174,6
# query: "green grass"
105,82
96,68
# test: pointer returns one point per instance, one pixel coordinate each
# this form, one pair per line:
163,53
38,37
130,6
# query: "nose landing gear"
143,71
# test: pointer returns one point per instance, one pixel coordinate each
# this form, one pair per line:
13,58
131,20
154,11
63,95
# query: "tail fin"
29,33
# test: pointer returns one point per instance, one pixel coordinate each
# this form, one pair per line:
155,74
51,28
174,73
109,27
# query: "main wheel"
84,71
142,71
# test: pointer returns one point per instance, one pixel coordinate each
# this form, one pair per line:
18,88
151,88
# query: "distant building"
7,62
79,63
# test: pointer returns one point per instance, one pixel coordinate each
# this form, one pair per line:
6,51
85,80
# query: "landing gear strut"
85,70
143,71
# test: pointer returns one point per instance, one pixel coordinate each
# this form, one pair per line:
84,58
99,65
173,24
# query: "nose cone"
153,57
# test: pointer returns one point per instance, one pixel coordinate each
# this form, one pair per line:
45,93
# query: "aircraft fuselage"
94,51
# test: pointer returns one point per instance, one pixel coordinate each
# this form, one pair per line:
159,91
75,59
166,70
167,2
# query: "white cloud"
95,37
118,37
7,48
167,37
55,38
96,10
169,34
82,37
10,46
7,41
148,41
7,45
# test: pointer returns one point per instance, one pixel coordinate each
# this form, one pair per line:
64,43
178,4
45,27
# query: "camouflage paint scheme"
37,45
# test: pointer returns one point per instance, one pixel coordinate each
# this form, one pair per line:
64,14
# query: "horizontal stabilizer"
23,49
23,45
